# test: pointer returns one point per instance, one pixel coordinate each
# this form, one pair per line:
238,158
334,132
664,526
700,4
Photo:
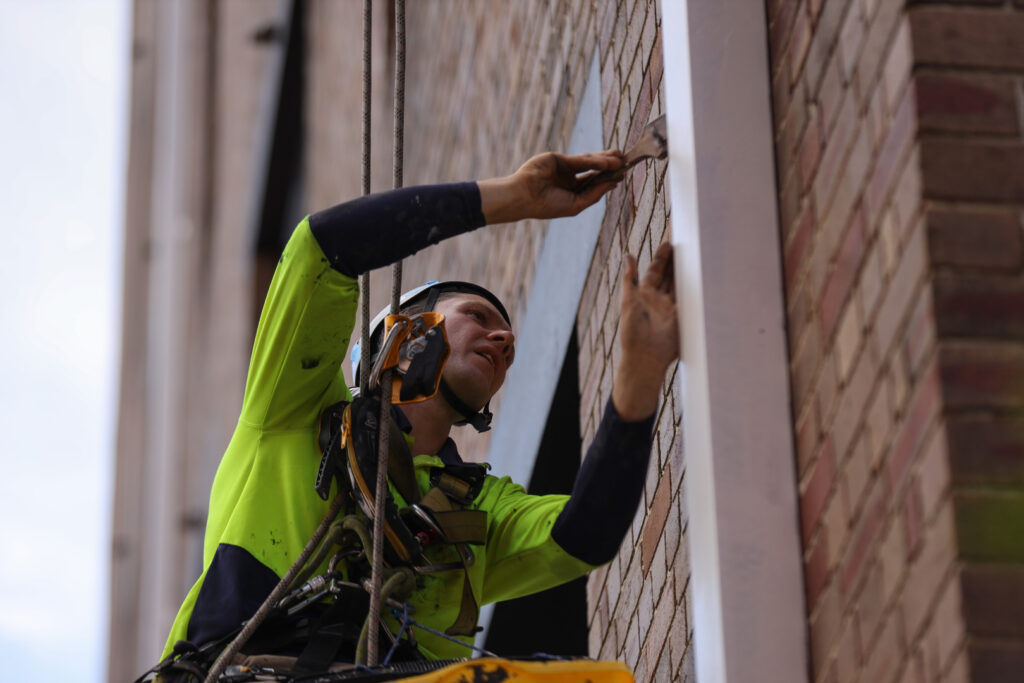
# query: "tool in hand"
653,144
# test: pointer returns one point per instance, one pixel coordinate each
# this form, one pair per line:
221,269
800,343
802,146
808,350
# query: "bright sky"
63,112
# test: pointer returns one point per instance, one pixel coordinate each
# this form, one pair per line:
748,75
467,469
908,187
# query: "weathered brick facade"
898,135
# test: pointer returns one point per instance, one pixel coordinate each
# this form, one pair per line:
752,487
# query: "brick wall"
488,85
898,138
969,72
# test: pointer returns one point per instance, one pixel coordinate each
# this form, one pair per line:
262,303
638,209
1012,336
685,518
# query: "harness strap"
469,612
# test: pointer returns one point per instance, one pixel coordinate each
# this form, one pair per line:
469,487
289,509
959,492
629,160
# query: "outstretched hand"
648,335
548,185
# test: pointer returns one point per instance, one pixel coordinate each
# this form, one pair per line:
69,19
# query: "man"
263,507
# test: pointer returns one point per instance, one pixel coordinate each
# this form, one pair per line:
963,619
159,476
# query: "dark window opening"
552,621
284,191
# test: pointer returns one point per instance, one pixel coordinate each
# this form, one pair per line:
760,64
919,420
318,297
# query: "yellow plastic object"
488,670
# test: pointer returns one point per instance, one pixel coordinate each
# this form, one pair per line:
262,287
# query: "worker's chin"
471,390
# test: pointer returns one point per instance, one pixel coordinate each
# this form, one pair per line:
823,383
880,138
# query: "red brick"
857,473
810,150
830,95
817,491
976,305
898,65
826,32
827,392
837,143
824,628
807,433
657,634
848,260
884,662
848,656
870,601
851,39
933,469
966,237
994,661
920,336
782,95
996,169
967,37
800,43
848,193
779,32
655,522
924,408
789,200
657,64
902,291
879,35
986,450
913,514
816,571
854,400
798,247
871,282
972,103
804,367
907,200
982,375
891,156
864,537
929,570
993,600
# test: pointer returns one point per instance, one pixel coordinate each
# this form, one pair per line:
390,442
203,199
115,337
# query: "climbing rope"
364,279
387,378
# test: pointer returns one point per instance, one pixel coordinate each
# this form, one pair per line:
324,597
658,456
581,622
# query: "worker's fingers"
592,194
655,275
667,284
607,160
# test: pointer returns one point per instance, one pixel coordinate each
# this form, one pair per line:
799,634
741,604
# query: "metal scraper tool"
653,144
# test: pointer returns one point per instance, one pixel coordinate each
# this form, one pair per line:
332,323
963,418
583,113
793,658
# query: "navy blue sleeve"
607,491
379,229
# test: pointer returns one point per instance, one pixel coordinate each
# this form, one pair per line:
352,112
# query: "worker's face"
482,347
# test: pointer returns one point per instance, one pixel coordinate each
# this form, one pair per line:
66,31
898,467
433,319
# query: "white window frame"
747,579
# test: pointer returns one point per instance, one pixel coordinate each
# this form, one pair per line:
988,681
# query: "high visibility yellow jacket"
263,507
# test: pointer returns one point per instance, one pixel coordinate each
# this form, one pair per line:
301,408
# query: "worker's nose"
507,340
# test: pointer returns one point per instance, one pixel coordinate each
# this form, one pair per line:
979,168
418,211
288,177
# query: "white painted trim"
747,581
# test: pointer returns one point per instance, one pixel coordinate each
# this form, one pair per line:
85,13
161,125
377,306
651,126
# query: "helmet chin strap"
481,420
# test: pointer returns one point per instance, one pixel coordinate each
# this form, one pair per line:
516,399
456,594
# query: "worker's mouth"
487,357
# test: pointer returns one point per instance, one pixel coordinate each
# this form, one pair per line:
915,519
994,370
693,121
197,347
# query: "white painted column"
748,599
172,248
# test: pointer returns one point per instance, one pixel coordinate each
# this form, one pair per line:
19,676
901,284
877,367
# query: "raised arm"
610,482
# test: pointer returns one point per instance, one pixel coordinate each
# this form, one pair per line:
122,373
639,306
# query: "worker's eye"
477,314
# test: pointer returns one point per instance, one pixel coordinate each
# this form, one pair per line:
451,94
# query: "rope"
282,586
386,381
364,279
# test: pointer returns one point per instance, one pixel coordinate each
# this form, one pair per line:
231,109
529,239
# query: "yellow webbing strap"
498,669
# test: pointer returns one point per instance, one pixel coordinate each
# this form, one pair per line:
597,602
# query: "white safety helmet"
429,294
